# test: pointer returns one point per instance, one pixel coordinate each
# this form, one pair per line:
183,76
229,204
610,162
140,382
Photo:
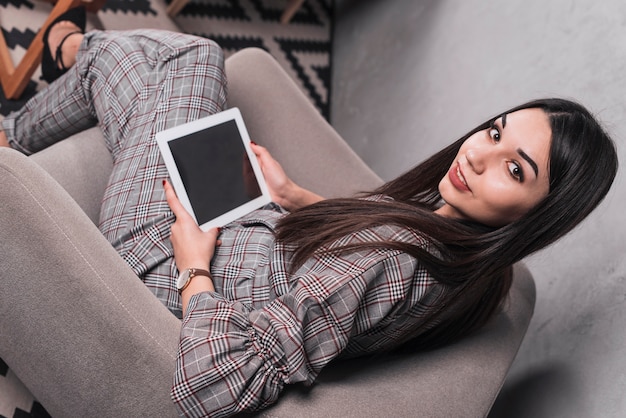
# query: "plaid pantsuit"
266,325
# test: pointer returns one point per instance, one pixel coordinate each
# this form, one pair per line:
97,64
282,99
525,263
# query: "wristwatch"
185,277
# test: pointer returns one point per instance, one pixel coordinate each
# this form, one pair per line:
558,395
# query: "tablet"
213,170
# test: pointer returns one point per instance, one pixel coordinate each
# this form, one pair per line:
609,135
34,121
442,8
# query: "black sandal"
53,68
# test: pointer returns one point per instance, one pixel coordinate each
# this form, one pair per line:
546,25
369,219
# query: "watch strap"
193,272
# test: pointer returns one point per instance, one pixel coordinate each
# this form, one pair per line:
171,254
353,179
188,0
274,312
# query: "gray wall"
411,76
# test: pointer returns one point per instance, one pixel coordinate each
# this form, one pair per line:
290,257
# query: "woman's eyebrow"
530,161
522,154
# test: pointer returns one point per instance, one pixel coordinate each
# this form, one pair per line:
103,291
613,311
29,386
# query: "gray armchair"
99,343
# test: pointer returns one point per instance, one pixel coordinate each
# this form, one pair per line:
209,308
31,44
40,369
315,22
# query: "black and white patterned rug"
302,47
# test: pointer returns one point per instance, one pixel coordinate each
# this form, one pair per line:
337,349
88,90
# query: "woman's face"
500,173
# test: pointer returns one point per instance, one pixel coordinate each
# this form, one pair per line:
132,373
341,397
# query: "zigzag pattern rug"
302,47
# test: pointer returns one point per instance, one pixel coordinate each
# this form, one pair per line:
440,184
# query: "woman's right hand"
193,248
282,189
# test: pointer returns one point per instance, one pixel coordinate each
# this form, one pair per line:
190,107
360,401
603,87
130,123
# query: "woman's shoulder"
399,234
391,231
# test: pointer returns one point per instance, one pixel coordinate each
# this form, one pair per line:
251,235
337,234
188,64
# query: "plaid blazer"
265,327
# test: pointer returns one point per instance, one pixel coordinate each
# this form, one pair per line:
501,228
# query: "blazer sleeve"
233,358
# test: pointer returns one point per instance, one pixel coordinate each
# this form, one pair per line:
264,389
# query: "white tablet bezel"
164,137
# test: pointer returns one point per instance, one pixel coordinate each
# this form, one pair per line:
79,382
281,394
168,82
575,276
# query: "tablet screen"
215,170
212,167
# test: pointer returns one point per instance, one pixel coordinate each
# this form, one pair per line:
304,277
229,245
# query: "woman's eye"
494,133
516,171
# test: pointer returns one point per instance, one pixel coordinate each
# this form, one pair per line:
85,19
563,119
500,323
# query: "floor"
410,76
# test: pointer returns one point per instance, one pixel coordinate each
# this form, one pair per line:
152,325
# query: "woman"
421,261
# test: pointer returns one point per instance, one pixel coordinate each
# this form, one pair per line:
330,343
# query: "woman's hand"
282,189
193,248
280,186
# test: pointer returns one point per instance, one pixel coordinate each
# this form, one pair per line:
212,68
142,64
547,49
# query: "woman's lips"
457,179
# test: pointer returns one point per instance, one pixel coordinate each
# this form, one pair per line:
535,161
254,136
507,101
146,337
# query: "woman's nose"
476,159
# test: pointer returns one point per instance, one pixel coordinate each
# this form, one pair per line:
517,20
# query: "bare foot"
3,140
70,46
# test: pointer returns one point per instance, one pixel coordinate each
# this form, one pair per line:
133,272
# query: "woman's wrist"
301,197
198,284
291,196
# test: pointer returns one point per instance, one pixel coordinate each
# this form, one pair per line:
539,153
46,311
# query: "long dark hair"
473,261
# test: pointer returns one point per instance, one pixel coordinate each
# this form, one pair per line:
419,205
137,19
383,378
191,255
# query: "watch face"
182,279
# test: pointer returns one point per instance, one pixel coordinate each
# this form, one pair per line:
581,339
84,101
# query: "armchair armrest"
99,340
81,164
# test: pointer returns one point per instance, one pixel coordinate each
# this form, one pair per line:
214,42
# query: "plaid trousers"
133,84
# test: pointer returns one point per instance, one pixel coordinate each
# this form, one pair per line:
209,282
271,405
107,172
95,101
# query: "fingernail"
164,182
253,143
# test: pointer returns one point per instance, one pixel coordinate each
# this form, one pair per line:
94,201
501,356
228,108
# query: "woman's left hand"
193,248
282,189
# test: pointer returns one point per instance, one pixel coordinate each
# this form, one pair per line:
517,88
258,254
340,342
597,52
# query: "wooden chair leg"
290,10
175,7
15,79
